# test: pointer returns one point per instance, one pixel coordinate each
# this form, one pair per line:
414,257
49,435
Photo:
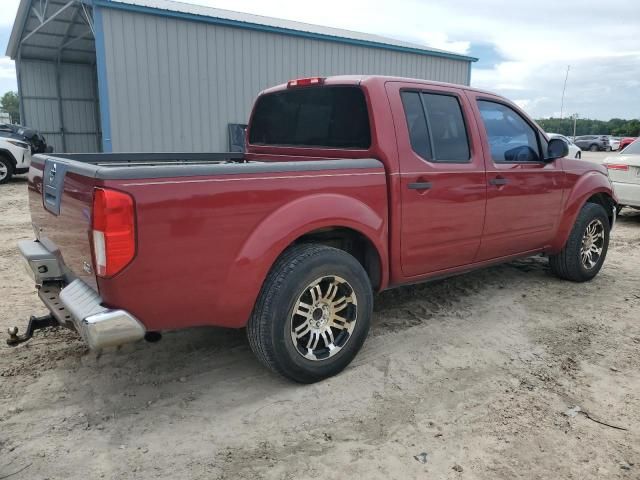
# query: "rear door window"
330,117
436,127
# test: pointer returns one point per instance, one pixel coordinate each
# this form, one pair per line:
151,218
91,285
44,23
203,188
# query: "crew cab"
350,185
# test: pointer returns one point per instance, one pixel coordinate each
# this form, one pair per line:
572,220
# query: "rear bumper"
76,304
628,193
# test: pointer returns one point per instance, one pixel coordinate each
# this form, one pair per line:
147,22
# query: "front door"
524,195
442,178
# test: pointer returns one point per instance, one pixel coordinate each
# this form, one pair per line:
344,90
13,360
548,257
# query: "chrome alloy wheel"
324,317
4,171
592,244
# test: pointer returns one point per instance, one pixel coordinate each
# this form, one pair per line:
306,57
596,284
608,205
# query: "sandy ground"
477,372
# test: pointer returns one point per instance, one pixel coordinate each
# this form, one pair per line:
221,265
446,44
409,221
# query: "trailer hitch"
35,323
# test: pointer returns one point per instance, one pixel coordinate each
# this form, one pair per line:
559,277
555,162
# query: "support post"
23,120
60,108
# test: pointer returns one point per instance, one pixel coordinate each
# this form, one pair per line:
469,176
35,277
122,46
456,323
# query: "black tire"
5,163
593,148
269,328
568,264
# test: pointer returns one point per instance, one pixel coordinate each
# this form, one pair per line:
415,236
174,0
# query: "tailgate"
60,200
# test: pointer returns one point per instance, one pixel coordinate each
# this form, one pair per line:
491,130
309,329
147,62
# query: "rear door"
442,177
525,192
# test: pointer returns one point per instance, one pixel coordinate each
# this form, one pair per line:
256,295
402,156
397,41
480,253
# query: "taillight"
304,82
617,166
114,231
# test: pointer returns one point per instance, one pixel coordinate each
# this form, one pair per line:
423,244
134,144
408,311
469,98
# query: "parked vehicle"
350,185
15,158
574,150
28,135
624,171
614,143
625,141
593,143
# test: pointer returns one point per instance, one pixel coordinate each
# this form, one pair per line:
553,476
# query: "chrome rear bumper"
99,326
78,304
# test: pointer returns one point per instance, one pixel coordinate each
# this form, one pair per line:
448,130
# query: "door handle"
498,181
419,186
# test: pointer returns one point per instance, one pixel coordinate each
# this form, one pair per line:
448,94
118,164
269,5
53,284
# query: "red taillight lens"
114,231
304,82
617,166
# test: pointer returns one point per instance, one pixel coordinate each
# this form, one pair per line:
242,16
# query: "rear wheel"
313,313
593,148
6,170
583,255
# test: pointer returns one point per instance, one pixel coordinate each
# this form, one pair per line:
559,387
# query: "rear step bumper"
77,303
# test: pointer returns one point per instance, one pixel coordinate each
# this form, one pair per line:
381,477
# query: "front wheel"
313,313
583,255
6,170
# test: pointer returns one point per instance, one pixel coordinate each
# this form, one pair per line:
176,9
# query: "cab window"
510,137
436,127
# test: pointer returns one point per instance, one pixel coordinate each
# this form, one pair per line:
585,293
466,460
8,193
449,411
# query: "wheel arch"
354,243
336,220
593,187
9,156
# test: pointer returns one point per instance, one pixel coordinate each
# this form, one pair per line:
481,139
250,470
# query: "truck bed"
206,224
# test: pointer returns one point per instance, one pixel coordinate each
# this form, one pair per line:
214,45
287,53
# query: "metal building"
157,75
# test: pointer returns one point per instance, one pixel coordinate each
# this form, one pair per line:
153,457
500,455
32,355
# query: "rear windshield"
332,117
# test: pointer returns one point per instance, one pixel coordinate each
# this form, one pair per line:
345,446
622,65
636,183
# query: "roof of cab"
371,79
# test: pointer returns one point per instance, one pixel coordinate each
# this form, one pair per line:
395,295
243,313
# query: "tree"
585,126
10,103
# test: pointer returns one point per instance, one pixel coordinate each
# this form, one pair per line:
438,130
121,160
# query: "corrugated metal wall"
39,91
174,85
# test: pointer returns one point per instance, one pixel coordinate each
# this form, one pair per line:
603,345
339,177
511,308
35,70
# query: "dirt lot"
477,372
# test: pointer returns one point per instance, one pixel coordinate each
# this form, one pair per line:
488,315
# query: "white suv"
15,158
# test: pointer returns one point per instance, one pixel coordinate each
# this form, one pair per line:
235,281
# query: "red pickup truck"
350,185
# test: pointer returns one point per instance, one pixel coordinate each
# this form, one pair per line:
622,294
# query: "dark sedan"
593,143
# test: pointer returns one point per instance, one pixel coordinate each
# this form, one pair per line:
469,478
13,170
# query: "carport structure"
165,76
53,44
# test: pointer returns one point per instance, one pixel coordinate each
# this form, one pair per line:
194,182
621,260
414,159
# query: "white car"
15,158
574,150
624,172
614,143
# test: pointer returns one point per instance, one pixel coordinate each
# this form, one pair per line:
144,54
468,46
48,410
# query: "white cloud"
7,69
8,11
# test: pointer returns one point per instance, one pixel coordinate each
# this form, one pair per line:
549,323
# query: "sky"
524,46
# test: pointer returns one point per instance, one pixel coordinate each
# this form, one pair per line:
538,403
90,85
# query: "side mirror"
558,148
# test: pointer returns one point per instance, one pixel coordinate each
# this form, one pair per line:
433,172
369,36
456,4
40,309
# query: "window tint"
417,124
510,137
448,133
436,127
632,149
333,117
